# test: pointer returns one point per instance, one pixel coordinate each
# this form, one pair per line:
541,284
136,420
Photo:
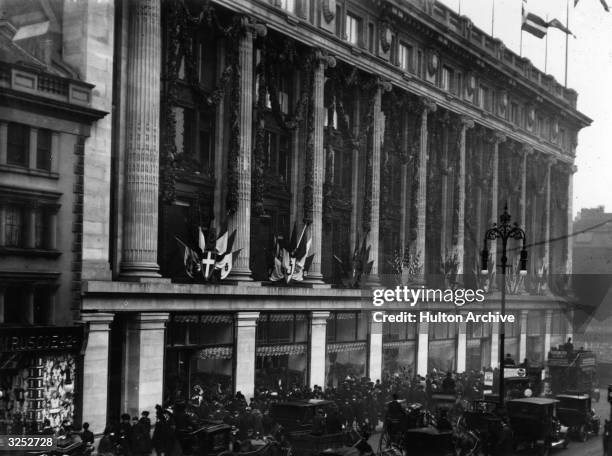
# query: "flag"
201,240
604,4
190,259
221,243
534,24
225,265
556,23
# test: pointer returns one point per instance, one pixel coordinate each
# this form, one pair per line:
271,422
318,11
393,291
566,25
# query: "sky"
589,73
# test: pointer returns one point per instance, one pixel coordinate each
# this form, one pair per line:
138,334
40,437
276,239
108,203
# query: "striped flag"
534,24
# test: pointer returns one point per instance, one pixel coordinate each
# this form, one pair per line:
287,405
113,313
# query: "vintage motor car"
298,415
534,423
575,412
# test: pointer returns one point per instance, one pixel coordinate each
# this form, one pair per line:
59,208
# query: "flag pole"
566,37
521,45
546,52
492,17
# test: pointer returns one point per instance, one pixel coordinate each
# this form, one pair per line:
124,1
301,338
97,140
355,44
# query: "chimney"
46,50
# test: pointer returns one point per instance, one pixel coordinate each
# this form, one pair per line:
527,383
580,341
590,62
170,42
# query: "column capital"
466,122
246,319
257,29
428,105
319,317
499,137
384,84
98,321
327,60
527,149
155,320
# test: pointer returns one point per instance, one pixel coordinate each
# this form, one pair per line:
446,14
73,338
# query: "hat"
145,413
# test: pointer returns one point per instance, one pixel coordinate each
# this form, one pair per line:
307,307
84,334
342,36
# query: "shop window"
484,98
18,144
14,226
405,53
43,150
352,29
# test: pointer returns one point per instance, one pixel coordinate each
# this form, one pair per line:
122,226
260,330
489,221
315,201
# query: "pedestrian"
87,436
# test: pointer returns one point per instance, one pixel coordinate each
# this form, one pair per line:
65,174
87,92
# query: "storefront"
442,346
513,330
199,351
399,349
535,337
478,352
347,347
39,377
281,350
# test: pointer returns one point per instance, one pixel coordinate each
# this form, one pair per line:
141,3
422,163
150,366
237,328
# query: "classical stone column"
570,221
33,143
547,332
140,217
421,196
1,304
244,376
495,345
460,228
318,171
375,350
144,361
525,152
422,357
241,219
403,205
523,336
95,370
547,217
377,138
318,335
3,142
461,346
55,152
30,234
497,140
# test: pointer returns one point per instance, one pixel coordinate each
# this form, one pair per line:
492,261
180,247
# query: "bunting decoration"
292,260
214,263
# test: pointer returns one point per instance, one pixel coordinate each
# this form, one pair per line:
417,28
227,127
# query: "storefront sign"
35,339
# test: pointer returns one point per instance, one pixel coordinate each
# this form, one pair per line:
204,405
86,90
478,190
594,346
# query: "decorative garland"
258,162
366,84
181,27
309,157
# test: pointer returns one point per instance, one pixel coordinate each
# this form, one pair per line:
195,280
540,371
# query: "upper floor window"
17,147
278,155
447,79
288,5
14,226
43,150
352,29
514,113
339,21
420,65
405,53
371,38
484,98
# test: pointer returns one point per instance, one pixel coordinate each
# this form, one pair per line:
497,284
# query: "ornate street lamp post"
504,231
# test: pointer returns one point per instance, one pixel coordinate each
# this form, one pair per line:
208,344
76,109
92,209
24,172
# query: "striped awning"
281,350
399,343
222,352
204,319
345,347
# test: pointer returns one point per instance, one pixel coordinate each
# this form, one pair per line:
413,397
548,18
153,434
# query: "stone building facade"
397,123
